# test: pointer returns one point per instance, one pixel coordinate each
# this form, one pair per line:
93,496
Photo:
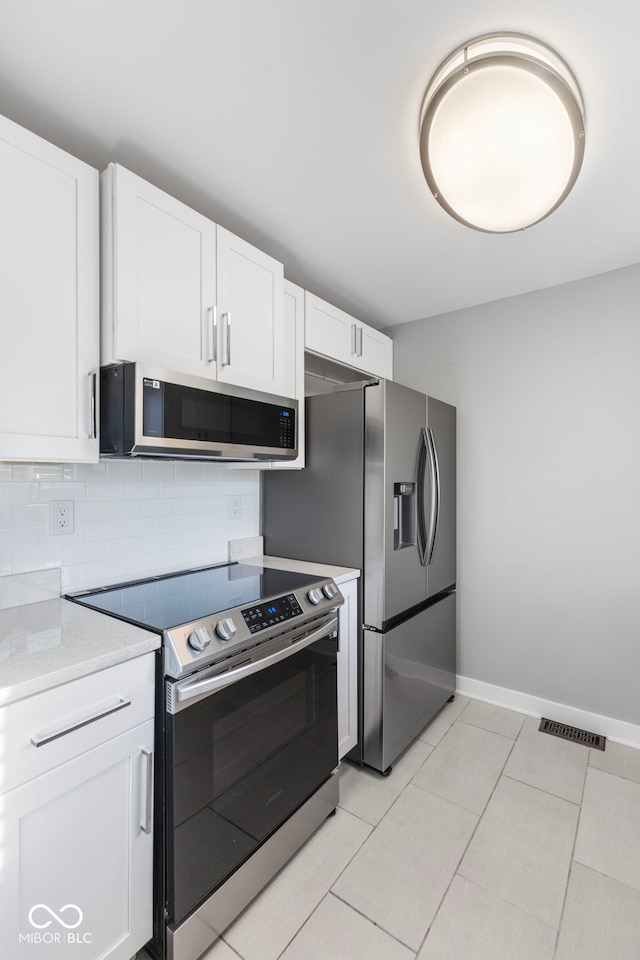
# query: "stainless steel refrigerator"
379,493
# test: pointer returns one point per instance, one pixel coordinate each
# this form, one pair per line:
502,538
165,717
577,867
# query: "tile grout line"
372,922
572,860
464,852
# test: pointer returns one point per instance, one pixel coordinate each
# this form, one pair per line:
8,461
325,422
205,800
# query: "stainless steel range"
246,734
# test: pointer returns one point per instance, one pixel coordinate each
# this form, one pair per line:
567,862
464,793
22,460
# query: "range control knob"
315,595
199,639
225,628
330,590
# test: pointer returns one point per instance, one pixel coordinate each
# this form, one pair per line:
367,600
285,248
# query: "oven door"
245,749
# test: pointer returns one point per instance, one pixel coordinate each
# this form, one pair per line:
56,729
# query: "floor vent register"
575,734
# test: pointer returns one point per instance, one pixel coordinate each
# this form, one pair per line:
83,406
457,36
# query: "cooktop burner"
162,603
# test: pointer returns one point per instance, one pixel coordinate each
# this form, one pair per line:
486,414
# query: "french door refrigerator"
379,493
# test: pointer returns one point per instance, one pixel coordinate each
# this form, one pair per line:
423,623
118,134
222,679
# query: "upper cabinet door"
375,352
159,270
332,333
250,316
328,331
48,301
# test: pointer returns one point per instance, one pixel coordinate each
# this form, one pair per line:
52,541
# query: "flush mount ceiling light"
502,132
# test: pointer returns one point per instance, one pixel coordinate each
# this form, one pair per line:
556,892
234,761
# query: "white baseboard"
617,730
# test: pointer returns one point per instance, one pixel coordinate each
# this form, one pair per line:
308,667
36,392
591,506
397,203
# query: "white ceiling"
294,123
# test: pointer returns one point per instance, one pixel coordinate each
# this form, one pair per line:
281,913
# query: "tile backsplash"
130,518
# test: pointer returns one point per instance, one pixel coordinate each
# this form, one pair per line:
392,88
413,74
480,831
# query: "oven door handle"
190,688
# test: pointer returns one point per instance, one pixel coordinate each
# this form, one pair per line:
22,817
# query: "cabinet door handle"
40,740
212,334
93,425
354,339
146,792
227,326
359,341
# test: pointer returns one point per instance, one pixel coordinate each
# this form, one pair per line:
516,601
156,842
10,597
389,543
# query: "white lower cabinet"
77,846
348,669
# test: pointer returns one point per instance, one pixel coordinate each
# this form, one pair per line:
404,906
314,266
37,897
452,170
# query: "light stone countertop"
339,574
50,642
250,550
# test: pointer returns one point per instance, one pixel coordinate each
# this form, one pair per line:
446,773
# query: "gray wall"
547,387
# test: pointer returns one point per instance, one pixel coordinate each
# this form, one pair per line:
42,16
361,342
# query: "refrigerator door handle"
434,495
421,494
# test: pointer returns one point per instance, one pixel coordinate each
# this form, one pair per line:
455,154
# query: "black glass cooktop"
161,603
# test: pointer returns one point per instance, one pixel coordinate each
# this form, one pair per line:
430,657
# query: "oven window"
240,763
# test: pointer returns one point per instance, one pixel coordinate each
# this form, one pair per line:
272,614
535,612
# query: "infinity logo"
56,916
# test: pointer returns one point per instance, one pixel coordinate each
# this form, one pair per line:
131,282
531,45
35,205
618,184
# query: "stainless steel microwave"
150,412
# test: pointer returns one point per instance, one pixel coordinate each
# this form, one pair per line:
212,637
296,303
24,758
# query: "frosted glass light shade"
502,133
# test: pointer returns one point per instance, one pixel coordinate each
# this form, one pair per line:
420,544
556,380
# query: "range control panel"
265,615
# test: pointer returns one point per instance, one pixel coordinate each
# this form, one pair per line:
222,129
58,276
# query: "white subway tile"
6,472
140,566
11,493
28,515
126,470
189,470
122,509
21,538
158,542
143,490
43,557
91,471
105,490
82,552
171,523
142,526
124,547
50,541
104,530
25,472
158,508
49,490
100,572
159,470
178,490
71,578
90,510
72,472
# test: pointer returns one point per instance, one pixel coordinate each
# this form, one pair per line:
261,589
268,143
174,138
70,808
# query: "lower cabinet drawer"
50,728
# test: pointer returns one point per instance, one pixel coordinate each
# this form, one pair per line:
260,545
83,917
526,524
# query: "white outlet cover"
61,517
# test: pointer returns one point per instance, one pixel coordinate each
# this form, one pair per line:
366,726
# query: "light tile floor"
488,841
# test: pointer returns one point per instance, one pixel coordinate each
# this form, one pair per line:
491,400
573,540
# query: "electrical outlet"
235,508
60,517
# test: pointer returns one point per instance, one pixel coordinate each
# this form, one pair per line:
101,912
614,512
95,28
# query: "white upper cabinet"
250,318
181,293
293,358
159,277
48,301
332,333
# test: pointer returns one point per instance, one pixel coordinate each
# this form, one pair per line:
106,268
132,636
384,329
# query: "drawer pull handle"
40,741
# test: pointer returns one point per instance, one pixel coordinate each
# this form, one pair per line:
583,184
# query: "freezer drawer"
409,674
